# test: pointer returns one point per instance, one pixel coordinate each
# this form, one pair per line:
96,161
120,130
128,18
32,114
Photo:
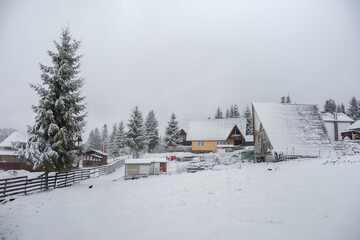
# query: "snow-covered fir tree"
227,114
236,113
60,116
105,138
282,100
219,114
151,131
353,110
288,99
231,112
135,137
330,105
120,139
113,149
249,121
172,134
96,141
342,108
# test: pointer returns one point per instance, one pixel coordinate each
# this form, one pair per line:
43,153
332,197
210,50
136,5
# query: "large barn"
213,134
288,131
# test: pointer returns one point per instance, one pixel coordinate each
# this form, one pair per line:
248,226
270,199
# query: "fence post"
66,175
5,187
26,184
55,183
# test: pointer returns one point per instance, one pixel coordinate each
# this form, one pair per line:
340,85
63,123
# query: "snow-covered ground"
297,199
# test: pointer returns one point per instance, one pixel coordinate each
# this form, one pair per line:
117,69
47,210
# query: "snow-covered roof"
294,129
97,151
336,117
214,129
355,125
15,137
144,160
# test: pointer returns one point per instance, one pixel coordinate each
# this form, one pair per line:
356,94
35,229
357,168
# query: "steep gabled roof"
214,129
294,129
355,125
336,117
15,137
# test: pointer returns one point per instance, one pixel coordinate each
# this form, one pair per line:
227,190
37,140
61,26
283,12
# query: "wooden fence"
23,185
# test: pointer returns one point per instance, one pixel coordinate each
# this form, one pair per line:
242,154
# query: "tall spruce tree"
113,149
219,114
60,116
105,138
232,112
151,131
288,99
282,100
249,121
172,134
342,108
135,137
96,142
227,114
236,113
353,110
330,105
120,139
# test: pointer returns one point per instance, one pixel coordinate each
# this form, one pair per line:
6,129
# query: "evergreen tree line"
140,136
352,111
234,112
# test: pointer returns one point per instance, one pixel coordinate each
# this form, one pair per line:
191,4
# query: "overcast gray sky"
182,56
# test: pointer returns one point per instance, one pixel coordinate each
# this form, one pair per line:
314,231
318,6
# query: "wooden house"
138,168
183,136
9,158
93,158
213,134
284,131
352,132
336,123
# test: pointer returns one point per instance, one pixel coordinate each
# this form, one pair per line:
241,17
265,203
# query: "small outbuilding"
9,158
93,158
138,168
352,132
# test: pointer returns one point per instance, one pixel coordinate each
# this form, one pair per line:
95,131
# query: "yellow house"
213,134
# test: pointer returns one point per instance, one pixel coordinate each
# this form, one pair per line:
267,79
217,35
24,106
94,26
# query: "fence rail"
24,185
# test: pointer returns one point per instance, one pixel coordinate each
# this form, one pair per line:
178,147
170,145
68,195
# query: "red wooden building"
94,158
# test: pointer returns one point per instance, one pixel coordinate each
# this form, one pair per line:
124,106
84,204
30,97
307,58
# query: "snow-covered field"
298,199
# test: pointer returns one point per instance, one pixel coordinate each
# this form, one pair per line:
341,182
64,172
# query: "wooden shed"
9,158
137,168
93,158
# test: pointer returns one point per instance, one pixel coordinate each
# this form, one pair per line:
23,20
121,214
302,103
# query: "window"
201,144
221,143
